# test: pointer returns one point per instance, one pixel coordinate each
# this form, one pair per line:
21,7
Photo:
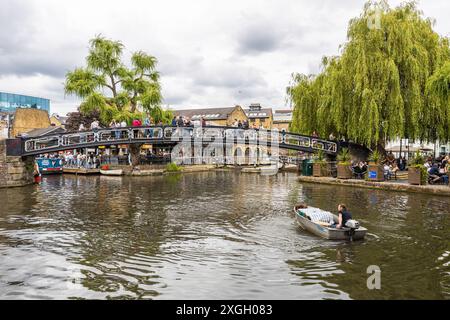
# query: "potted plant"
344,170
320,165
417,172
375,170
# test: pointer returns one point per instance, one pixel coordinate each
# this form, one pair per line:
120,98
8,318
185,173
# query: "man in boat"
343,216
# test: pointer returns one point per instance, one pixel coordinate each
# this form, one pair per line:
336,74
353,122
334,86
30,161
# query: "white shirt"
123,124
94,125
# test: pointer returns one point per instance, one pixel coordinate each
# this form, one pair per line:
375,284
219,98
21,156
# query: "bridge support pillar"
15,171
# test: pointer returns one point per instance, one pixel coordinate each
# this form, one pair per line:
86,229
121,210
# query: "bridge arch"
238,156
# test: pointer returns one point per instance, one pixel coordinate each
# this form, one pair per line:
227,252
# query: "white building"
411,147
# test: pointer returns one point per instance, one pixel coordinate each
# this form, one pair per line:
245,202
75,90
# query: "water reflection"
214,235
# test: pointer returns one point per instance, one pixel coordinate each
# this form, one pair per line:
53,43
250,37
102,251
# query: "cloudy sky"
211,53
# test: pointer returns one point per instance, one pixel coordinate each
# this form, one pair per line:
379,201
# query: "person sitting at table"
433,174
390,158
443,172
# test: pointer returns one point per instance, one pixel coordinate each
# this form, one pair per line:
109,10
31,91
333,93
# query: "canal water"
214,235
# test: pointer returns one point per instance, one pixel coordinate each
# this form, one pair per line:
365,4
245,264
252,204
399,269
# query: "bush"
172,167
417,160
344,157
375,157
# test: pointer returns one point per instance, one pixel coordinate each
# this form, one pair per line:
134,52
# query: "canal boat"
112,172
49,165
356,232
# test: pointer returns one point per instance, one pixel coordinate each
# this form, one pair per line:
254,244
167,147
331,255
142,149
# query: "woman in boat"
344,216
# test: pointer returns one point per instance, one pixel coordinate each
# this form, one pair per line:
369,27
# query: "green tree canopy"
388,82
128,89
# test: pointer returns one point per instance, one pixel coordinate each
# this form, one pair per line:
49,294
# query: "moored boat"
112,172
49,165
345,233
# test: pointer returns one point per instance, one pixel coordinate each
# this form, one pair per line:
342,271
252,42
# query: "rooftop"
43,131
207,113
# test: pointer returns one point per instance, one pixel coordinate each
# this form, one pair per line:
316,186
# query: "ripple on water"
213,235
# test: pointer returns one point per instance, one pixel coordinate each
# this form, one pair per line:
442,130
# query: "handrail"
165,133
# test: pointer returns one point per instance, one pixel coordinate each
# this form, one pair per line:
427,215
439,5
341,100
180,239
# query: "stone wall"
14,171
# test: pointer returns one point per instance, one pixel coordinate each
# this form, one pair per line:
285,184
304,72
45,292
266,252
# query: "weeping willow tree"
107,86
438,94
388,82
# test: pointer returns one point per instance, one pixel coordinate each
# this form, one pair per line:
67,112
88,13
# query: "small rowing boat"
112,172
302,216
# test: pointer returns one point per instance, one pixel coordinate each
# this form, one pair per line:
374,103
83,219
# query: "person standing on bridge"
115,125
331,137
136,123
95,125
180,121
147,123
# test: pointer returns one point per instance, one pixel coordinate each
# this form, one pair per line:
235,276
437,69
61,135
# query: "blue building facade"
9,102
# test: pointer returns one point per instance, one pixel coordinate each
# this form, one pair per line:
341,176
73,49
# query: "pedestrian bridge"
170,135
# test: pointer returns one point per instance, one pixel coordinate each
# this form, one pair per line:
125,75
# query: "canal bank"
437,190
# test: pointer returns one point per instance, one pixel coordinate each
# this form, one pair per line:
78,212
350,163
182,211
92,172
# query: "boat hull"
329,233
117,172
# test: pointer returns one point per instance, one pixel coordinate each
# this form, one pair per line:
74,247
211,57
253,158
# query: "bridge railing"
72,140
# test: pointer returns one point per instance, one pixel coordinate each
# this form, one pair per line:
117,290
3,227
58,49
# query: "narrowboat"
49,165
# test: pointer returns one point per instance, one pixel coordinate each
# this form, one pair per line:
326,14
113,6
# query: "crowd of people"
177,121
438,169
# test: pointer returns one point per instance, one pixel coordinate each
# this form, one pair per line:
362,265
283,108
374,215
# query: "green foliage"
173,167
376,156
320,158
344,156
417,160
438,95
387,83
131,89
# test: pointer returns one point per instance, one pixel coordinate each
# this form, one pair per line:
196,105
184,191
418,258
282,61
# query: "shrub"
344,156
172,167
375,157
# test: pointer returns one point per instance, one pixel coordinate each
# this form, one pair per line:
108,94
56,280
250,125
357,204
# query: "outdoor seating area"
438,170
382,168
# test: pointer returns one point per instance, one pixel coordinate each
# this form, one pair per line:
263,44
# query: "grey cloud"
229,74
24,51
259,36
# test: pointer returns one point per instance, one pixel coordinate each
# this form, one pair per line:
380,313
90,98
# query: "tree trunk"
113,86
135,154
381,147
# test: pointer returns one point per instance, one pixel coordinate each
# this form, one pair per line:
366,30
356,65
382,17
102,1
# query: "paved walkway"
393,185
